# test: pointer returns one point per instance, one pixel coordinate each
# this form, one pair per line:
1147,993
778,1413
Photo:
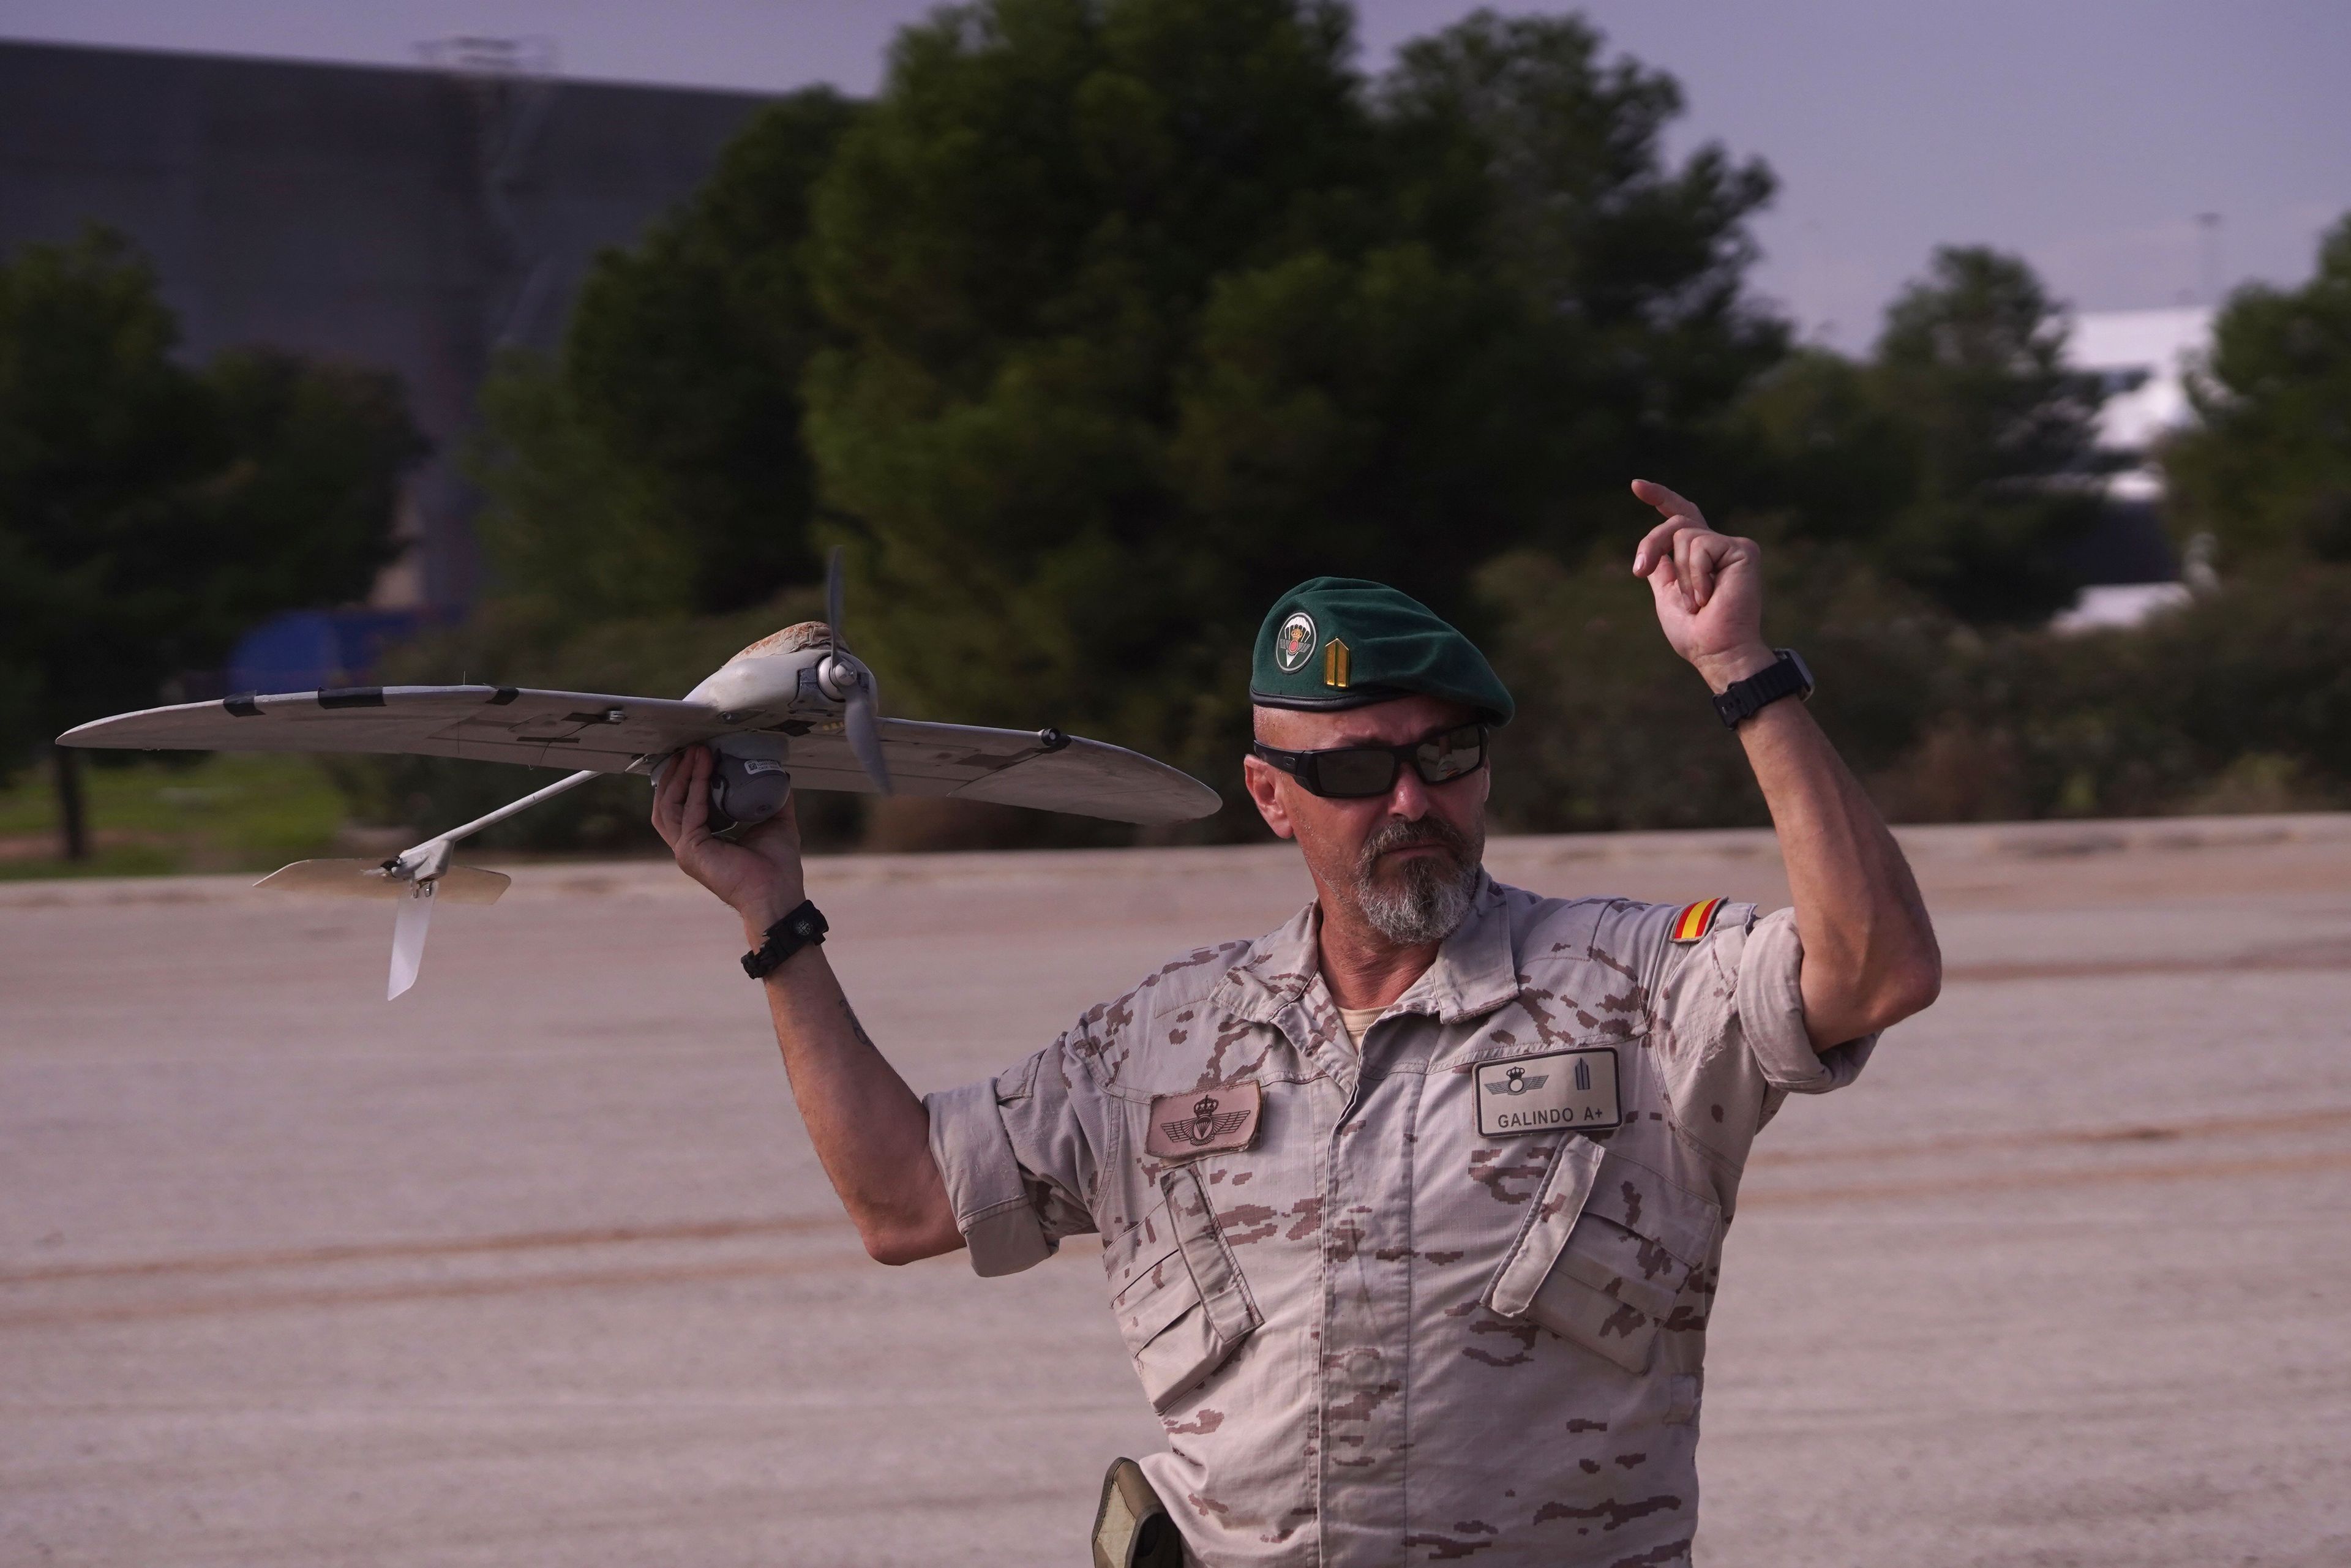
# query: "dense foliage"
1153,308
1125,316
2268,472
2241,701
150,512
658,469
1959,458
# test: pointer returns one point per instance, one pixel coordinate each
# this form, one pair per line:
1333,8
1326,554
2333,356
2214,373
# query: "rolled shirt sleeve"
1730,1037
985,1182
1771,1005
1018,1159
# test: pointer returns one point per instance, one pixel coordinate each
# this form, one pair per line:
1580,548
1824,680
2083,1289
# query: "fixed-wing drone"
792,709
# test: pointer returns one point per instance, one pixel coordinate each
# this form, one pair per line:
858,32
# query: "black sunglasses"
1359,772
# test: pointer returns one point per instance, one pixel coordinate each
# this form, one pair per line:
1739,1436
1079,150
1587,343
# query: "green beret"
1341,642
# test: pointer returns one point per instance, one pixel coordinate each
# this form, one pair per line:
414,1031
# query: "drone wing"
1042,769
482,724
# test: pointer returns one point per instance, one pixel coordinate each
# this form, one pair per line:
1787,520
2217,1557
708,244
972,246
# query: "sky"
2087,137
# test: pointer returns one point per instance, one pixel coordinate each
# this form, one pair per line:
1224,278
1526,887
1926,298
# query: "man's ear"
1264,787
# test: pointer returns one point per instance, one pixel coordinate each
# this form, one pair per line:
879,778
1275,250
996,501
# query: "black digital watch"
803,927
1787,676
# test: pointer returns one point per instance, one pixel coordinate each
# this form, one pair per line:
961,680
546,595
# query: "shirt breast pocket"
1181,1303
1607,1247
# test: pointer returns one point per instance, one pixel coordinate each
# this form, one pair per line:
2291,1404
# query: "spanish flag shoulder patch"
1696,919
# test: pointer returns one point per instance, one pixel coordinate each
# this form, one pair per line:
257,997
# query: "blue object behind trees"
304,650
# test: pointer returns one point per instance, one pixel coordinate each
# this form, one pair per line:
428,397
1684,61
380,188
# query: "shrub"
2241,701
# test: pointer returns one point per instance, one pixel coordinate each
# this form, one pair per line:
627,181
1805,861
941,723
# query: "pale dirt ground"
534,1266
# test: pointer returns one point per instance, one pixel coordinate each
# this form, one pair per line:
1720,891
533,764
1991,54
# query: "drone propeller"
378,879
367,879
846,680
419,877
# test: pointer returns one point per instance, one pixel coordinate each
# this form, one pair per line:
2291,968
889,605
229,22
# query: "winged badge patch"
1203,1122
1517,1081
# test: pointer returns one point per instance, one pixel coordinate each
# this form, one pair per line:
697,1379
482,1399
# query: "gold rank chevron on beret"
1696,919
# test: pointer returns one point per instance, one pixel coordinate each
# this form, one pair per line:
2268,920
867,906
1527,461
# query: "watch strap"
804,926
1785,676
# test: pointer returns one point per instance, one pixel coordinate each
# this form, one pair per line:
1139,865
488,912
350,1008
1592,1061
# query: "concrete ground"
535,1267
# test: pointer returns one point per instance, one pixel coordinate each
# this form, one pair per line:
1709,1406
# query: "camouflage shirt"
1441,1296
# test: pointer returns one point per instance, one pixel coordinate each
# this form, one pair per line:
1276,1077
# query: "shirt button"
1363,1362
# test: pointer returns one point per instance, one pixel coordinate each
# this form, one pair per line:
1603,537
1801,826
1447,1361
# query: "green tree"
657,466
1959,458
2268,468
2001,435
1820,454
1541,163
1151,306
300,513
148,513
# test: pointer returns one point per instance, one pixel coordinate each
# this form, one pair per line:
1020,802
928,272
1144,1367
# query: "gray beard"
1425,900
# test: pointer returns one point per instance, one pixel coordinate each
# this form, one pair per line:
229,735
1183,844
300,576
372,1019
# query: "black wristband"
1786,676
803,927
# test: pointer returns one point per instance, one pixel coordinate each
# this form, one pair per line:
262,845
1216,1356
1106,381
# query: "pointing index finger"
1671,503
1679,513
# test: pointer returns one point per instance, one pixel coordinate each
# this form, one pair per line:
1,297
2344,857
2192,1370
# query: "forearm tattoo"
849,1016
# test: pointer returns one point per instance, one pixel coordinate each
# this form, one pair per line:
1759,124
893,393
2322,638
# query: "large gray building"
410,220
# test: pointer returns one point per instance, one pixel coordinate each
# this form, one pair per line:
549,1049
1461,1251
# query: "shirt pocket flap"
1181,1303
1606,1249
1153,1298
1550,1217
1682,1222
1143,1263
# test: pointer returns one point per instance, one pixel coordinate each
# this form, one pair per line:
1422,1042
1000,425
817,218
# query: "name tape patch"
1540,1094
1205,1121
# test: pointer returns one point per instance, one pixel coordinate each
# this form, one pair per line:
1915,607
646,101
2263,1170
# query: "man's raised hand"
1708,586
760,877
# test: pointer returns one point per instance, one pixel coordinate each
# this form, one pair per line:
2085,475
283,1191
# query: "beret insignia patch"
1295,643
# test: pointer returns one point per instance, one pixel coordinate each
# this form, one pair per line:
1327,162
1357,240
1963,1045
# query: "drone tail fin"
408,928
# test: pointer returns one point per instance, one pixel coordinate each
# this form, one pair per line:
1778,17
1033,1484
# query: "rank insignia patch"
1696,919
1209,1120
1538,1093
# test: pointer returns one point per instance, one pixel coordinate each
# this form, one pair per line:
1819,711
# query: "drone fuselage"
777,680
791,683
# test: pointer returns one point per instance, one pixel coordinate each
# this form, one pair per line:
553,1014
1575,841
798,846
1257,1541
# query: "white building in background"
2143,358
2140,354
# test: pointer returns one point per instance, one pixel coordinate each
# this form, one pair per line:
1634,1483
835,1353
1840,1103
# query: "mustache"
1405,835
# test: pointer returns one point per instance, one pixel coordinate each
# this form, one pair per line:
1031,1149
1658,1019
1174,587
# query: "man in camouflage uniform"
1413,1210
